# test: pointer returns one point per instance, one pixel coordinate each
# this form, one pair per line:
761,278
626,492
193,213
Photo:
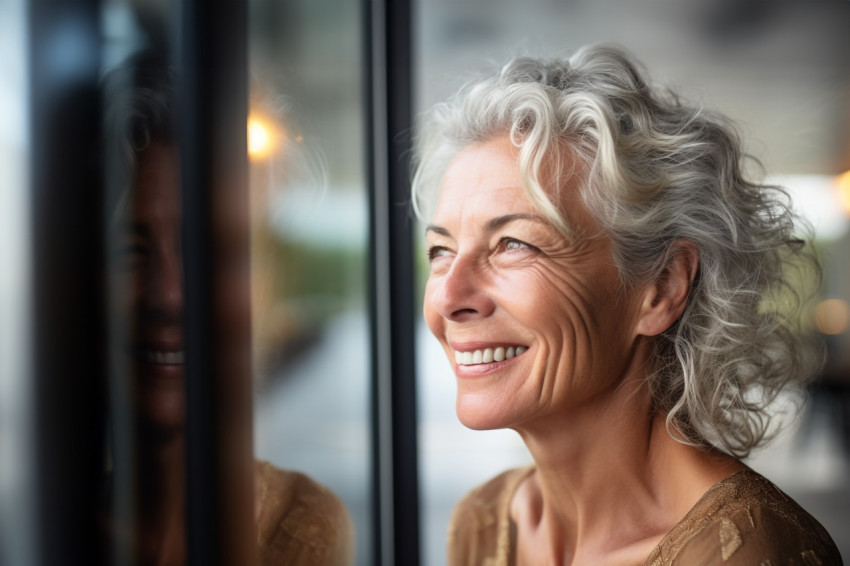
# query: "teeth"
165,358
488,355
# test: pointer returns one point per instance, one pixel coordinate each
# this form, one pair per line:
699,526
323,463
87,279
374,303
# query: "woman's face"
148,265
502,278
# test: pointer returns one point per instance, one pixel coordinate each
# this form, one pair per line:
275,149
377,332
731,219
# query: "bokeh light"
261,137
843,182
832,316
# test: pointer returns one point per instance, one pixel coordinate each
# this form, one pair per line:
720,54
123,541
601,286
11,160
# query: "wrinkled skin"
501,279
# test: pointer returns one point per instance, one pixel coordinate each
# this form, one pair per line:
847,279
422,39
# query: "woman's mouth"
488,355
163,357
171,356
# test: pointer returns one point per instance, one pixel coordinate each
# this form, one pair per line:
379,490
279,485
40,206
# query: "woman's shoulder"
299,521
746,519
479,531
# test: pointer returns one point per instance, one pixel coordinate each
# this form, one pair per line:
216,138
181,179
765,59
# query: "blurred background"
779,68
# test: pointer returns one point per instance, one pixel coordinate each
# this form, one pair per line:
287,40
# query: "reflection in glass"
309,238
143,513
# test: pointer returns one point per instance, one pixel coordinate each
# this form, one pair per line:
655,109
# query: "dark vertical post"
388,96
212,63
68,337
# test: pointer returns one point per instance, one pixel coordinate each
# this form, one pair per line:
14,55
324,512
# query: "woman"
604,281
299,522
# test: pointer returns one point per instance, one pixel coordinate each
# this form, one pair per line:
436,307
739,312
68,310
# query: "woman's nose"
164,293
461,294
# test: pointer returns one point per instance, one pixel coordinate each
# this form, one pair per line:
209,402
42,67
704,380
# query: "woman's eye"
435,252
511,245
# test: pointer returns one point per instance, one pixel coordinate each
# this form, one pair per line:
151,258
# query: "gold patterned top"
743,520
300,523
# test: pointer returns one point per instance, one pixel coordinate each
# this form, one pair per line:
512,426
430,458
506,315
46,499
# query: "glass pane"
782,73
309,246
142,514
17,438
177,251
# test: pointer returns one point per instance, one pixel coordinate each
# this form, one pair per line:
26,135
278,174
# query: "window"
286,139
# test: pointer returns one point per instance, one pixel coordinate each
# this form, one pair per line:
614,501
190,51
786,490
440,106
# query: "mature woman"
299,522
607,282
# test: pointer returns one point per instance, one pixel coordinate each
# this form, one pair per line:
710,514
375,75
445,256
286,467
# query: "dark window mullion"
389,116
212,64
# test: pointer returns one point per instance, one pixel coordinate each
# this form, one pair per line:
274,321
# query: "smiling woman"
298,521
498,271
601,275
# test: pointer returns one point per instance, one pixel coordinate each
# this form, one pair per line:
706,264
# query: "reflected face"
534,325
149,265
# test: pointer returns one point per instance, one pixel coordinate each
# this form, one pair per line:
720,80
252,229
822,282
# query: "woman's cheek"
432,317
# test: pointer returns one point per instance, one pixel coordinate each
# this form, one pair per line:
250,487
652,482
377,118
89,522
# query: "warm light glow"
259,138
832,316
844,190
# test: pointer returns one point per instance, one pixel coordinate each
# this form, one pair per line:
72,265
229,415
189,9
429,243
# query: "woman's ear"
664,299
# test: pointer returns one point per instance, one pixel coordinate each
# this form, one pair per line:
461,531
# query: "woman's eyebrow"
496,223
438,229
493,224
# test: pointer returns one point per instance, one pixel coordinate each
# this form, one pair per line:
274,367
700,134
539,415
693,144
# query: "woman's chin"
477,414
162,412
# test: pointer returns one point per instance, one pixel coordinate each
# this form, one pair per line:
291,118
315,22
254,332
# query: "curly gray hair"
656,172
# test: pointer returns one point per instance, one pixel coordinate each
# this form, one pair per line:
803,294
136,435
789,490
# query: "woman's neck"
161,472
160,505
610,481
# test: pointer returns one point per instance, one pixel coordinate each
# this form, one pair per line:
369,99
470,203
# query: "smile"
488,355
170,358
